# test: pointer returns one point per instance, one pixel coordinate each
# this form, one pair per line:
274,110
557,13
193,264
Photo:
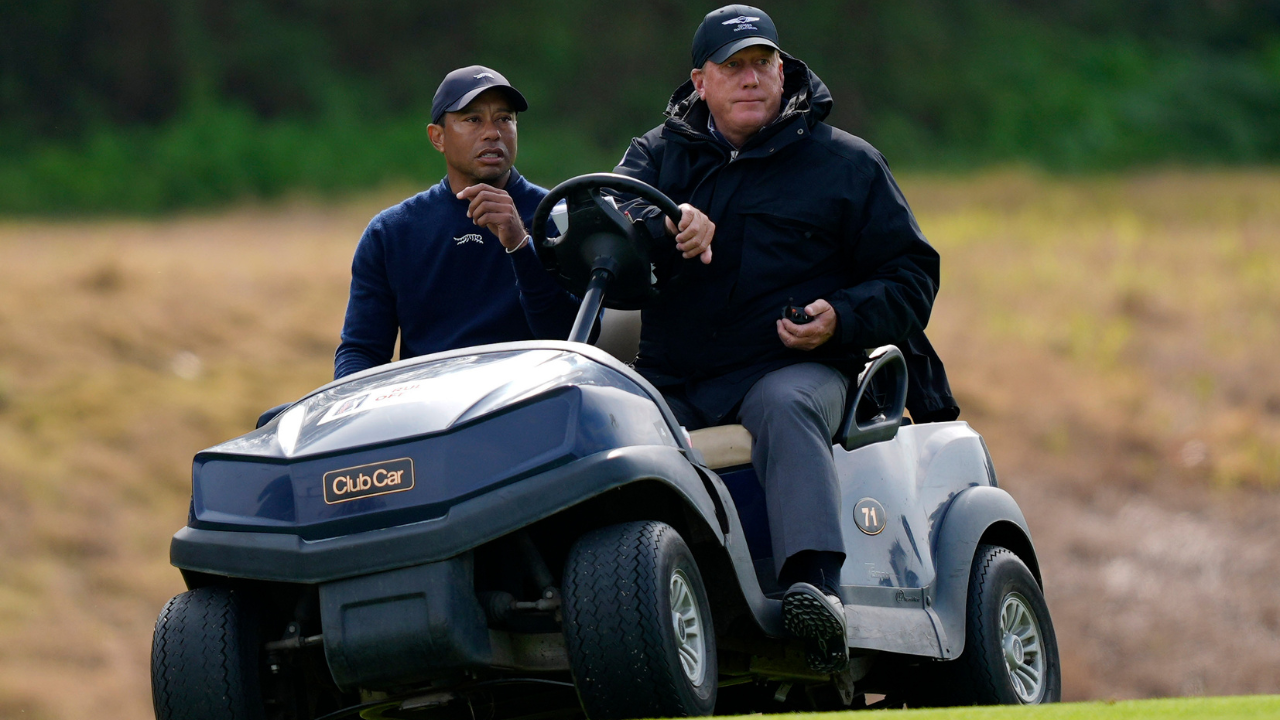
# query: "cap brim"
518,103
724,52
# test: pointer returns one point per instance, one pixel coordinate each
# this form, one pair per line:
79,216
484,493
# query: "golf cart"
524,530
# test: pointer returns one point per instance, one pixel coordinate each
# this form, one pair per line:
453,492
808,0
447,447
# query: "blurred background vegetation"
128,106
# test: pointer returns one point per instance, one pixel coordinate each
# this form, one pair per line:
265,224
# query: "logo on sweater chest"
472,238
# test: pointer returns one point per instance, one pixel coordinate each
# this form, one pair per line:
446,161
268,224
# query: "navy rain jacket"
803,211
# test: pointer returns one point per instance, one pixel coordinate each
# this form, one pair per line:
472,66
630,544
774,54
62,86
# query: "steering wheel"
600,240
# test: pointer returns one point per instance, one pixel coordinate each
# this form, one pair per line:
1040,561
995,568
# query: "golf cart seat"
721,447
724,446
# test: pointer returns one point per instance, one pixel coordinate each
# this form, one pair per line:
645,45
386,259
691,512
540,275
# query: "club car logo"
368,480
483,75
743,22
473,237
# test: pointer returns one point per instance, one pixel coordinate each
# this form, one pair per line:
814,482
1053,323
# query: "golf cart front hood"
405,442
407,400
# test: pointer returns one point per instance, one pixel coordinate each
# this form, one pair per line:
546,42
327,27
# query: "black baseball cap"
463,85
725,31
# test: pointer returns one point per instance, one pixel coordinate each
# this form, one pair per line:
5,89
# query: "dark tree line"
1073,84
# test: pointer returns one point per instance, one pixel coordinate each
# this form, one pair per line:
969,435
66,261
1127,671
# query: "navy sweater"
422,268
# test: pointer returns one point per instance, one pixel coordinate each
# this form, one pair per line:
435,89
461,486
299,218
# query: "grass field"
1234,708
1114,339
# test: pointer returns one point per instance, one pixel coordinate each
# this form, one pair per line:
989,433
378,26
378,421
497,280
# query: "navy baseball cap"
463,85
725,31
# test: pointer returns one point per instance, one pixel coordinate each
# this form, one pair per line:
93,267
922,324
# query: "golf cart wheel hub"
1013,650
687,624
1021,646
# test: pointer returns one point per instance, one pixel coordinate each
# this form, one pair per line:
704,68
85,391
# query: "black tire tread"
974,678
197,661
612,634
979,681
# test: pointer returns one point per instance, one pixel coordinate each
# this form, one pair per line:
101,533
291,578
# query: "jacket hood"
803,93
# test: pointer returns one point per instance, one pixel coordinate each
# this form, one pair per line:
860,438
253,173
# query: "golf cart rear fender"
977,515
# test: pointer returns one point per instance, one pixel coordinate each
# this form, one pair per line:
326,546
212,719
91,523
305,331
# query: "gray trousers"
791,414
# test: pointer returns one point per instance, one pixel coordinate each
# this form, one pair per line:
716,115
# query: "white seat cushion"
723,446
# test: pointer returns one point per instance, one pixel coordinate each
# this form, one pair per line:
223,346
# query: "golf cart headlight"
289,426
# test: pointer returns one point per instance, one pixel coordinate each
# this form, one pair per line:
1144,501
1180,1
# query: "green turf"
1217,708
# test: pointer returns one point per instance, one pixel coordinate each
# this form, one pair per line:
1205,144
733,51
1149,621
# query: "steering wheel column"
590,307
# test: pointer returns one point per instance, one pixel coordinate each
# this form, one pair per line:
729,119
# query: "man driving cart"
807,218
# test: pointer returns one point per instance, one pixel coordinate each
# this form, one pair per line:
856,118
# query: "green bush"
124,106
224,154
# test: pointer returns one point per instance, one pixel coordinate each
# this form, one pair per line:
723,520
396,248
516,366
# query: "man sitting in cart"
802,214
453,267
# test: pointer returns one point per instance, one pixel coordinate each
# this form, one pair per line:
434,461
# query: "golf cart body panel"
391,628
288,557
890,576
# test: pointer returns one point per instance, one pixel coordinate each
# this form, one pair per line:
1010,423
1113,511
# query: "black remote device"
796,314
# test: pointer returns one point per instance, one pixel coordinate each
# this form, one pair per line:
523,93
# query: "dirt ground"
1113,338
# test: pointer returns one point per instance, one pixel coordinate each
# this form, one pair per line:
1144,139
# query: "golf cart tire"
204,658
981,675
619,626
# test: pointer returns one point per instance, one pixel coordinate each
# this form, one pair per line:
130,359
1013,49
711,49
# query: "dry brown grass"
1114,339
127,347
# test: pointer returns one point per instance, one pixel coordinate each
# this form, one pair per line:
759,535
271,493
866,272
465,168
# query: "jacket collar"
804,97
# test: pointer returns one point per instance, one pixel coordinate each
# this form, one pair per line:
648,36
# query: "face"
744,93
478,141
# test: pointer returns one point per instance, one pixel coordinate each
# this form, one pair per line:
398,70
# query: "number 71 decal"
869,515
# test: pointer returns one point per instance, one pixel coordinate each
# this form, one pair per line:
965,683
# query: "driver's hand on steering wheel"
693,237
494,210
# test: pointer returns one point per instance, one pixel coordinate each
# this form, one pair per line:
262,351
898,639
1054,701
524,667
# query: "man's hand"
494,210
813,333
693,237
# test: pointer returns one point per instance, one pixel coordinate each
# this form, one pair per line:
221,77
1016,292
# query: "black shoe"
819,618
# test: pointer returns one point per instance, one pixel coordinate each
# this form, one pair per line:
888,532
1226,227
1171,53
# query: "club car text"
363,481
